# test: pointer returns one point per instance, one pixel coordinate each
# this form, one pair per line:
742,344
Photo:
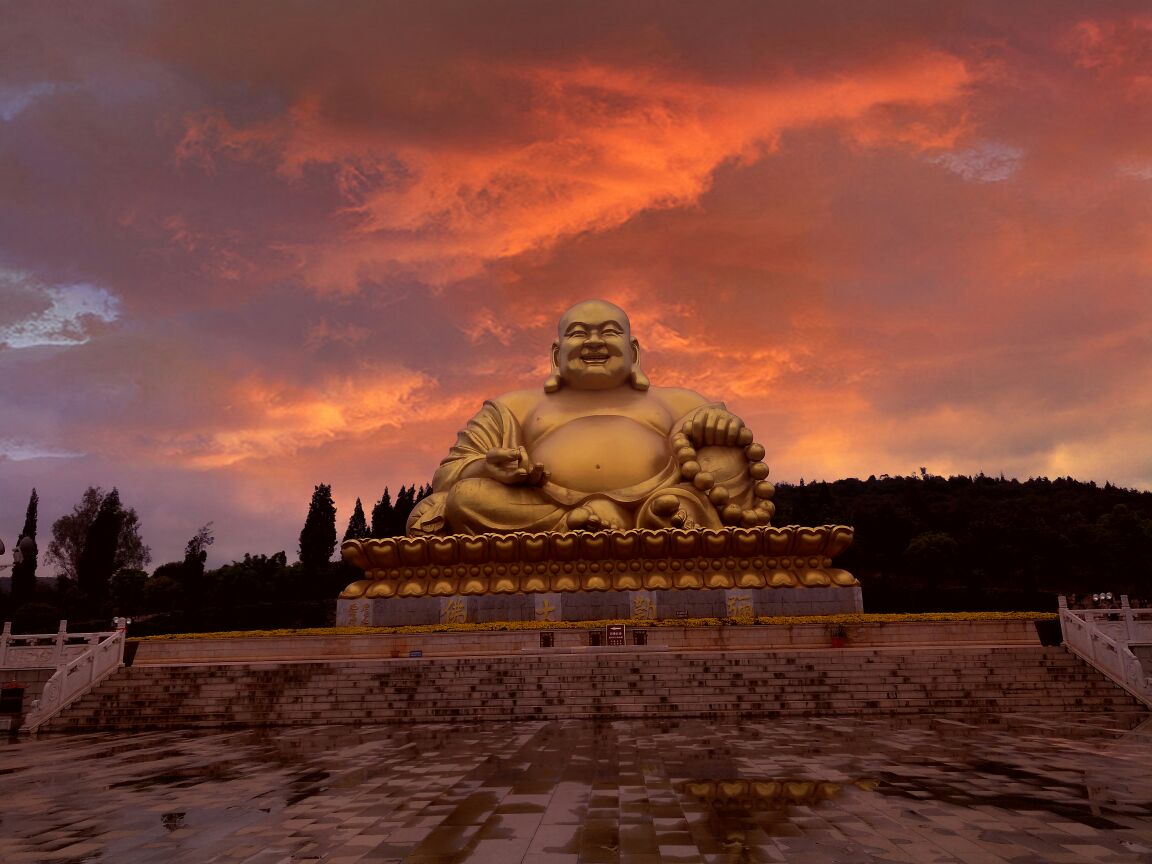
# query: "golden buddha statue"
597,448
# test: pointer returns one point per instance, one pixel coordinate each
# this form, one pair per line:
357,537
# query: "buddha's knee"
475,494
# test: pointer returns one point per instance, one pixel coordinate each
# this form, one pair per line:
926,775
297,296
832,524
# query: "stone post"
1129,624
61,641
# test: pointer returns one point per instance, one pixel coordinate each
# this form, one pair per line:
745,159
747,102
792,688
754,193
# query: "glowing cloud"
605,143
276,419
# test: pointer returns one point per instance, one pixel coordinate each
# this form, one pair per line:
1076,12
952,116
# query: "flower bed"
779,621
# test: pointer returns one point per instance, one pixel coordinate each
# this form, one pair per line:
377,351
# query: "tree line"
923,543
100,558
930,543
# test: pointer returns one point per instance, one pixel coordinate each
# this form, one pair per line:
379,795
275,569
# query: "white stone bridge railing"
81,660
44,650
1105,638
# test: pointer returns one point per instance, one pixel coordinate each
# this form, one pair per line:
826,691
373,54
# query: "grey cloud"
60,314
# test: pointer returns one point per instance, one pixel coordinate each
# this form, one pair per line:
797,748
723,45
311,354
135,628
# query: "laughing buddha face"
594,349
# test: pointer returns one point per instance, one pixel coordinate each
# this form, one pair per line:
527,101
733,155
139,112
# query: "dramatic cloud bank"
249,248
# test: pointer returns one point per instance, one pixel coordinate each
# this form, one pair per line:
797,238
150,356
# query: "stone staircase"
624,683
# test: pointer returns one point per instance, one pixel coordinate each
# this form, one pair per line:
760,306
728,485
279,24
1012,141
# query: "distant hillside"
981,542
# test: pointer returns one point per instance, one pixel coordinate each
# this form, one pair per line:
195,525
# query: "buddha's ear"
637,377
552,382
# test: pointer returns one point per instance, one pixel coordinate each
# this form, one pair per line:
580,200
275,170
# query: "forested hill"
981,542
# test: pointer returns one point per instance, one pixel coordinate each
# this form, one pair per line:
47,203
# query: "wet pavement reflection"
1018,788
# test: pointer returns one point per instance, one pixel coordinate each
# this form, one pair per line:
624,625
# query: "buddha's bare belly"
602,453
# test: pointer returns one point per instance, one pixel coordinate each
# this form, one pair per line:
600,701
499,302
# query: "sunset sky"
248,247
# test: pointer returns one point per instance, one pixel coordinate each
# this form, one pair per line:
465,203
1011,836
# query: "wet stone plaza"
1018,788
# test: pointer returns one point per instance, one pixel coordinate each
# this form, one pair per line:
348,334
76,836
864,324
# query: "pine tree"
98,560
318,537
30,516
382,516
405,501
357,525
24,572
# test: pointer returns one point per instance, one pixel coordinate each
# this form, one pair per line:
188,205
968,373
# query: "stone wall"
598,606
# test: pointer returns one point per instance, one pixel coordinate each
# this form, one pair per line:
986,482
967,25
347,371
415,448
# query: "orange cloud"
279,419
1116,49
598,145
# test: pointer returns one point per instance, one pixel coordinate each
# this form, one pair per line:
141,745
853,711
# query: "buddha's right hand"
511,466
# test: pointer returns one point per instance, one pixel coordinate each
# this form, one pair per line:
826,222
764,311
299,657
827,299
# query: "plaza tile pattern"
1016,789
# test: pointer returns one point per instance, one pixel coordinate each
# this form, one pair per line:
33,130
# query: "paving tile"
1012,789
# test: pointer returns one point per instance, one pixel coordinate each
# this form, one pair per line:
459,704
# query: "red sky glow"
246,248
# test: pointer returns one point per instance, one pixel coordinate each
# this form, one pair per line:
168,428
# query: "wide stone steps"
632,683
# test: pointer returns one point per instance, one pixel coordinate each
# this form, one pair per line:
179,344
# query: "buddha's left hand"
715,426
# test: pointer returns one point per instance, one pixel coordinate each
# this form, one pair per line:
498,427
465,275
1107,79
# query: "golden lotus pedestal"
640,574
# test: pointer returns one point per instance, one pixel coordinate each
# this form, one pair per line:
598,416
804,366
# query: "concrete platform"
1025,789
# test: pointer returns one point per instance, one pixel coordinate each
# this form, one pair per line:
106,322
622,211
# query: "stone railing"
76,677
44,650
635,560
1103,637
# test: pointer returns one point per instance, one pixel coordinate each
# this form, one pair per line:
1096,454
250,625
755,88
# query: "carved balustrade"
76,678
1102,637
44,650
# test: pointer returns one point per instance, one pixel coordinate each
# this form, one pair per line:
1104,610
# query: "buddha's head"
594,350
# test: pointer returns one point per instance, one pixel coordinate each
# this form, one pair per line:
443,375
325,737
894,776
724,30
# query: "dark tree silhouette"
929,543
357,525
391,519
70,532
98,560
405,501
383,516
24,571
195,556
196,550
318,537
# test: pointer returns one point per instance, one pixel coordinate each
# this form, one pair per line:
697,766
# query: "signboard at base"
614,634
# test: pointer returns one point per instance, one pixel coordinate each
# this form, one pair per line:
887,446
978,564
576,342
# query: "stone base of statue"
598,606
581,576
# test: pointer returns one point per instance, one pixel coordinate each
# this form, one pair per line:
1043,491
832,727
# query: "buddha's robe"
474,505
